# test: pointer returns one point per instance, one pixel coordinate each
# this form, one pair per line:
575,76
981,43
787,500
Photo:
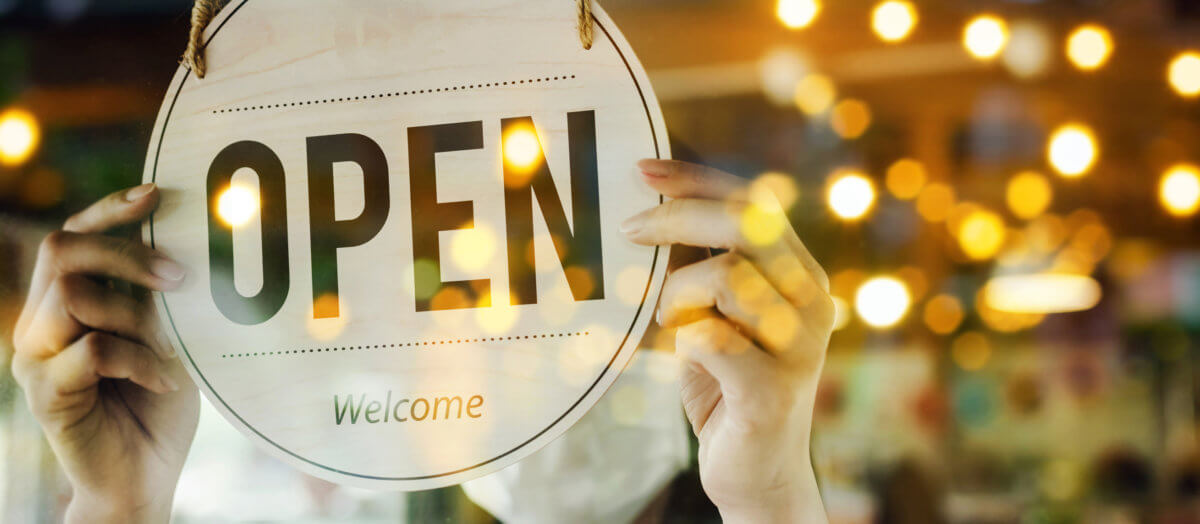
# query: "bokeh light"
778,186
906,178
894,20
841,313
763,223
237,205
851,195
1179,190
1184,74
1003,321
522,149
1089,47
781,70
1029,194
981,234
1041,294
850,118
943,314
1029,50
935,202
797,14
882,302
1073,150
815,94
327,329
19,136
473,249
971,351
985,36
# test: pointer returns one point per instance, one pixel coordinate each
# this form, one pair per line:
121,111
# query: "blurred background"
1003,192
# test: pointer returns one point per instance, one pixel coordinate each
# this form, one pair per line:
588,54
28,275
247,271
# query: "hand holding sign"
122,443
753,327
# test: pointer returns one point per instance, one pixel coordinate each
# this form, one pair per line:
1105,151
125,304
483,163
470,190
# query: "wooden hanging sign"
401,224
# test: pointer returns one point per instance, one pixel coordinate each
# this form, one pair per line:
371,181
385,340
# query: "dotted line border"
400,345
377,96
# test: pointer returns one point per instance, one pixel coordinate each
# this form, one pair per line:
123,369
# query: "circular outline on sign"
607,367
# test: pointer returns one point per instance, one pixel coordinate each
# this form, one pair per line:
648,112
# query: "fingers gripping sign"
753,326
97,371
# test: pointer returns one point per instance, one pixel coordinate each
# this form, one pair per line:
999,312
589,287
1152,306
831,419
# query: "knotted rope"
203,11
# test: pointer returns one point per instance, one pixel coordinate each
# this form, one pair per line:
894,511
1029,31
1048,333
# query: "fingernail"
168,383
634,224
137,193
651,167
166,269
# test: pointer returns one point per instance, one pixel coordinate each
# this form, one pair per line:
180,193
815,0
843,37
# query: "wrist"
798,501
92,508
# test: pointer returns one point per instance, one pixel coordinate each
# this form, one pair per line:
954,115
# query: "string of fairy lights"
1043,264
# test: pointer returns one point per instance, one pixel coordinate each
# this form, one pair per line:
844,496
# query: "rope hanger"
205,10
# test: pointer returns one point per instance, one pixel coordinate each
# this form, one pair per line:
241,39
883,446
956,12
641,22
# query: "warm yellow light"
472,249
1179,190
915,280
1029,194
1184,74
1089,47
935,202
985,36
894,20
797,14
841,313
522,149
327,329
1042,294
815,93
971,351
1073,150
906,178
237,205
850,118
1003,321
981,234
19,136
1027,54
943,314
882,302
780,186
851,195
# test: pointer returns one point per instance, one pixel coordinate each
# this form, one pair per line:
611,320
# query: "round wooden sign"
401,224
